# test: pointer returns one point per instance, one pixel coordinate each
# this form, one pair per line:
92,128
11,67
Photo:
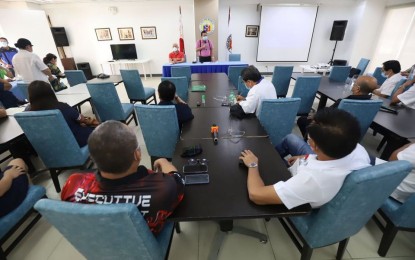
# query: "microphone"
214,129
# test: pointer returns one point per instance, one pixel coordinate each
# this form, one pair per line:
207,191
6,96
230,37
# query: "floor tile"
185,245
65,251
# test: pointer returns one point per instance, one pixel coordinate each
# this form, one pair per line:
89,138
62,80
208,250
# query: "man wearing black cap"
28,65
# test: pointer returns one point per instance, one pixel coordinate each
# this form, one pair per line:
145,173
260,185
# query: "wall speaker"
337,32
59,35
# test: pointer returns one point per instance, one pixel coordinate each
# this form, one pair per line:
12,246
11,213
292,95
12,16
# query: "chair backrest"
277,117
22,89
182,86
363,110
398,84
339,73
75,77
242,89
233,74
234,57
110,231
133,84
401,214
51,137
160,128
306,89
377,74
362,193
362,65
181,71
106,102
281,79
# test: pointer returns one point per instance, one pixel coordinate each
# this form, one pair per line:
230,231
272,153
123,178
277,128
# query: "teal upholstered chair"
306,88
277,117
53,141
234,57
182,86
75,77
339,73
362,65
110,231
349,210
160,128
363,110
242,89
377,74
107,104
135,89
10,223
281,79
21,90
181,71
233,74
400,82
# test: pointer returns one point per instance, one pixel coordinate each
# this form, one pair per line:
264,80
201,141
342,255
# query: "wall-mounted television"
123,51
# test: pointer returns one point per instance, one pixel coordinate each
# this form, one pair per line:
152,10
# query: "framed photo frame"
103,34
126,33
148,33
252,31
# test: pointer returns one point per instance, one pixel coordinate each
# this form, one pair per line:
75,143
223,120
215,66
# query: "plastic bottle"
203,100
232,98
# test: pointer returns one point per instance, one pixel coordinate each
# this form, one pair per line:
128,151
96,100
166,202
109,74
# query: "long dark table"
206,67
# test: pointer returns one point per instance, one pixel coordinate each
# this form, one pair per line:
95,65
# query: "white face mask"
3,44
205,38
175,49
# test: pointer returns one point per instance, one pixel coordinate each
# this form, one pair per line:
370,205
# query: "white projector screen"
286,33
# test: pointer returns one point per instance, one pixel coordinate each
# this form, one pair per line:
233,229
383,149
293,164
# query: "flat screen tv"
123,51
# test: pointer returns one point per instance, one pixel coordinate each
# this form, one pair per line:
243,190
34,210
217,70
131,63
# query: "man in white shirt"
406,97
28,65
334,135
390,69
407,186
259,89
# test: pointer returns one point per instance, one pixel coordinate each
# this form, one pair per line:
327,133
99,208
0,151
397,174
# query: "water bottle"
232,98
203,100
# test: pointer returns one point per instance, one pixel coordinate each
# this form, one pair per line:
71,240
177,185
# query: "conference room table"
205,67
116,79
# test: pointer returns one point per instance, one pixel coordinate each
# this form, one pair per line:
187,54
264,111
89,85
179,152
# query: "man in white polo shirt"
391,69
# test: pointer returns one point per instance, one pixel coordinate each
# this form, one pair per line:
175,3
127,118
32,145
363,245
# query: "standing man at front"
28,65
204,48
6,55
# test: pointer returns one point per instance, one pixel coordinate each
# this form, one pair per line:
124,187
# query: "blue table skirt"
206,67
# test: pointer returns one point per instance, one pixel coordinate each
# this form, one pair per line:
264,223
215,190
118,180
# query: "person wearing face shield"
176,56
6,55
204,48
390,69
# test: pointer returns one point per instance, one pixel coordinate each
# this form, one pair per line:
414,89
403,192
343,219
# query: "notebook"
198,88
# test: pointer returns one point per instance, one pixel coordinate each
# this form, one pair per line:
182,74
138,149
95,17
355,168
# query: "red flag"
229,39
181,41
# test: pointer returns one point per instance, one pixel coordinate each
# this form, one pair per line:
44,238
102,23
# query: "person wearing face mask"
204,48
6,55
176,56
28,65
390,69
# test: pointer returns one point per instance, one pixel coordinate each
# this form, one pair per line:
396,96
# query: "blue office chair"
398,216
277,117
182,86
135,89
181,71
400,83
364,111
10,223
242,89
349,210
75,77
362,65
111,231
160,128
21,90
281,79
234,57
53,141
234,72
377,74
339,73
107,104
306,88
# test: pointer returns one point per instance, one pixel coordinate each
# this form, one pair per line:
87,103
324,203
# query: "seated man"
176,56
334,138
6,82
167,93
121,179
406,97
362,89
408,71
391,69
259,89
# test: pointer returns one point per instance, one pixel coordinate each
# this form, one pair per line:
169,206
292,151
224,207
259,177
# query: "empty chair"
306,88
181,71
362,65
349,210
281,79
339,73
75,77
234,57
53,141
182,86
233,74
242,89
363,110
277,117
110,231
377,74
135,89
107,104
20,91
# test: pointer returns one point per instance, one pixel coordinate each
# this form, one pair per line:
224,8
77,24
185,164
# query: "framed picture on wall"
148,33
103,34
252,31
126,33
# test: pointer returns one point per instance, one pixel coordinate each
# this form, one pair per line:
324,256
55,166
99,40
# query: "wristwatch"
252,165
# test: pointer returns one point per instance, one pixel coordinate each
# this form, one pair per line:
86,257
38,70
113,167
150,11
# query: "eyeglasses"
197,161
